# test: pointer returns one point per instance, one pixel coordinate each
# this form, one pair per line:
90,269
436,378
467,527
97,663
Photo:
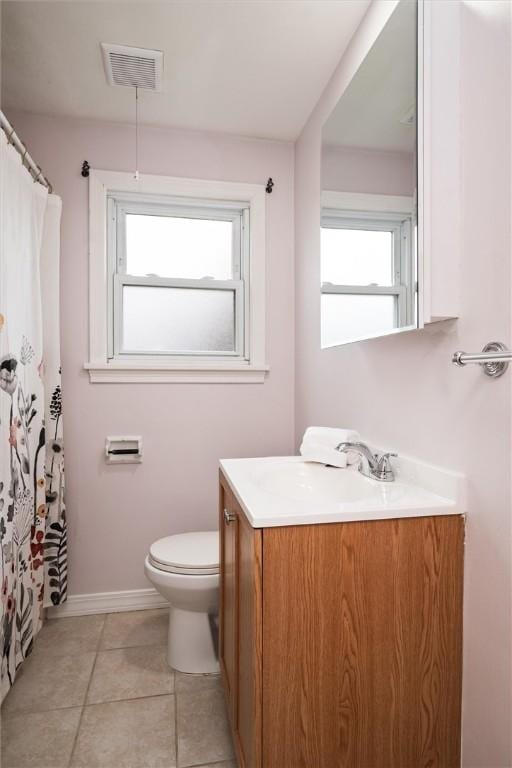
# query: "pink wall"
402,391
115,512
350,169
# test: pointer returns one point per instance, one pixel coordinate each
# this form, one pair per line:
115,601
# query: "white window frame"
400,229
118,207
384,213
112,193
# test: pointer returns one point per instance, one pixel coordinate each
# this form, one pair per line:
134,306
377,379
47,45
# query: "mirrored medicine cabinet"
370,280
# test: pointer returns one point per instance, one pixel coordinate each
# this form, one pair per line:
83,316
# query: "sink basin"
318,483
285,490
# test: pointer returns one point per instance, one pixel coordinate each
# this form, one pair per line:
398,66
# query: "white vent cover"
133,67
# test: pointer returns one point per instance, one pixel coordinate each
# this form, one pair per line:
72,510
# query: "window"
368,286
182,280
178,272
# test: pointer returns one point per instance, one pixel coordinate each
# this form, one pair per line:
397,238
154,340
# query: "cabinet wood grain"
362,644
249,645
241,627
341,644
228,639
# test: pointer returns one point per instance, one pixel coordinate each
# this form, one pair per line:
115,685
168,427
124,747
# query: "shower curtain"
55,541
32,516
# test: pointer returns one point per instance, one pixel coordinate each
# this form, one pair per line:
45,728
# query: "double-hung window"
179,276
176,280
367,266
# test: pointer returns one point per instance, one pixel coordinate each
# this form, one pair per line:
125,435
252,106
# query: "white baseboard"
108,602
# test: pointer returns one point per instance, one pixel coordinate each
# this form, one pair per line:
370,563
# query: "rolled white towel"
319,445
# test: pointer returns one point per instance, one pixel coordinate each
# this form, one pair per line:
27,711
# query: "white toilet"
185,570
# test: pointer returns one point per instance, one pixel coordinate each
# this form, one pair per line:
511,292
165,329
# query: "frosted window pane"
159,319
356,257
347,317
170,246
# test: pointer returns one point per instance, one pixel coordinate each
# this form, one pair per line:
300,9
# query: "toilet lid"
188,553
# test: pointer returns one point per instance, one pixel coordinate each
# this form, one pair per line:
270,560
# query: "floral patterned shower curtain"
30,517
55,540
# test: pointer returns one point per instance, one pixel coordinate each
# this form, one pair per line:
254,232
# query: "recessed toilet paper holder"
123,450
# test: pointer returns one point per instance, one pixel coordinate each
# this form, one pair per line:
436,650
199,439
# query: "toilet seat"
191,554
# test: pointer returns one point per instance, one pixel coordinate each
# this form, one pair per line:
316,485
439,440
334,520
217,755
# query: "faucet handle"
384,470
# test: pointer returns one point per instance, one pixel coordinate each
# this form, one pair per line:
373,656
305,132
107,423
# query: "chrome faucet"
371,464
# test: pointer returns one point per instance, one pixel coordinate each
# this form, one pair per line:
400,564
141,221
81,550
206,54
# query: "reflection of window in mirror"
367,273
369,164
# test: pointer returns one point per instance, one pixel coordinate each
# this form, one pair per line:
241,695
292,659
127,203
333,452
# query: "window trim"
121,205
221,369
399,225
361,209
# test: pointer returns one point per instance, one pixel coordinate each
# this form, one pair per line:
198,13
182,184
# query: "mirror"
369,230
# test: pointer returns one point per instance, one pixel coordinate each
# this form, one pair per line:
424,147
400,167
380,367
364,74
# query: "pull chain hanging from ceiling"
136,176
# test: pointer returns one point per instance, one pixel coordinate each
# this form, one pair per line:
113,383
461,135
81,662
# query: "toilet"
185,570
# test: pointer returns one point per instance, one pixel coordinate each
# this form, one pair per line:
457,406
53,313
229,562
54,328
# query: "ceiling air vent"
133,67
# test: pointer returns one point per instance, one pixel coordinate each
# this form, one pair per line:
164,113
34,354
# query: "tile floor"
97,693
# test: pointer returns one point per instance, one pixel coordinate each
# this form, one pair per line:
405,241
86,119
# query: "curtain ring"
42,179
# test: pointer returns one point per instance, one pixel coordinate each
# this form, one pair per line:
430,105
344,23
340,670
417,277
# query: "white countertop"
285,490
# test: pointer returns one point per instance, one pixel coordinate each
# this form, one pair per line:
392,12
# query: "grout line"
75,740
102,631
81,714
127,647
75,737
132,647
24,712
207,765
123,701
175,718
216,762
100,636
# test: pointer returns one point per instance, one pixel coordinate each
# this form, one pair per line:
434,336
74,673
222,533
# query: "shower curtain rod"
32,167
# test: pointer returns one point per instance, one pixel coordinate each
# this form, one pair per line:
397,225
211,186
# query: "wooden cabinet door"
249,615
362,626
228,623
240,626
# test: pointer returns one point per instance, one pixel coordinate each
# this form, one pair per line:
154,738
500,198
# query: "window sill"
143,373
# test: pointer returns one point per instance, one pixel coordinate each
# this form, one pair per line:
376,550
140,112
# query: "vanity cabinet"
240,646
341,643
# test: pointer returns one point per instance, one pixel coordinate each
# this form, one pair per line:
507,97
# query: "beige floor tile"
123,630
224,764
203,732
77,634
127,734
39,740
48,682
190,683
129,673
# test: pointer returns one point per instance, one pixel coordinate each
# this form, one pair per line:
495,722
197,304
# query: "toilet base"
191,647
